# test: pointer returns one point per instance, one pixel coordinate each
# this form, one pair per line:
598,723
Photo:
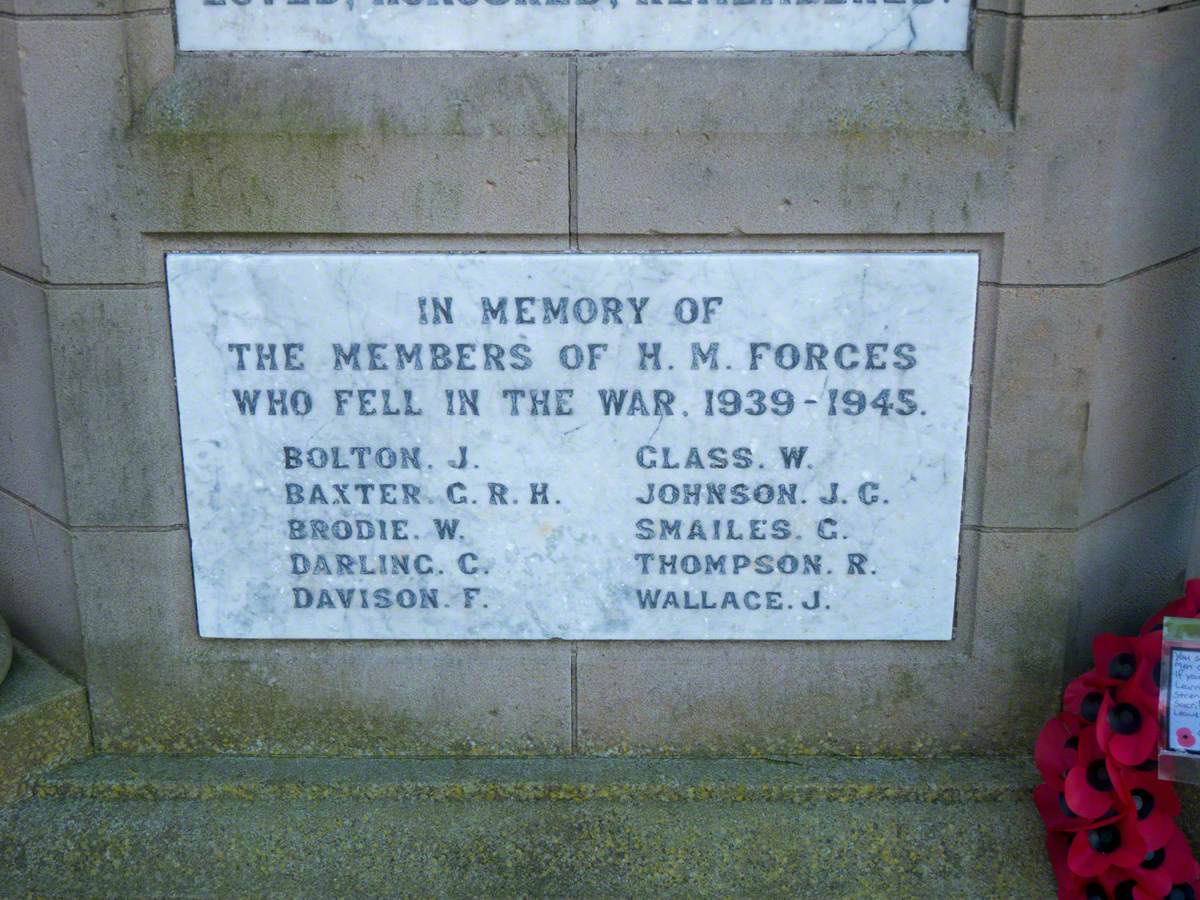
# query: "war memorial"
595,447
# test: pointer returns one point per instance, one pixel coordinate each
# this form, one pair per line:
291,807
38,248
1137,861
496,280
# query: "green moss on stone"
530,828
43,721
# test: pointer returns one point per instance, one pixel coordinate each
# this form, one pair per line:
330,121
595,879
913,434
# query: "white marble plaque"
858,26
630,446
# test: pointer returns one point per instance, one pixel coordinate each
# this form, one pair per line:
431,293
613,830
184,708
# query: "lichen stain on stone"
46,727
243,713
225,151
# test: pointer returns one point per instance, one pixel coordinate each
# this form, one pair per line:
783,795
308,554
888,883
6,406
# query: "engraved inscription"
650,446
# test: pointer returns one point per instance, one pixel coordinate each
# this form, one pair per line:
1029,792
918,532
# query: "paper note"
1183,709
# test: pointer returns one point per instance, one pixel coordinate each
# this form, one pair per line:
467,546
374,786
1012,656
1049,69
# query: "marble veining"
762,446
888,26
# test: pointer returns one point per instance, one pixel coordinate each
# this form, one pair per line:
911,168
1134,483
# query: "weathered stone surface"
37,584
731,147
840,780
1073,9
73,75
1129,564
827,828
1007,7
271,145
1082,187
988,691
156,686
724,149
995,41
36,588
1189,817
19,243
982,365
30,455
118,425
43,724
1142,427
1069,8
1044,363
82,7
1111,111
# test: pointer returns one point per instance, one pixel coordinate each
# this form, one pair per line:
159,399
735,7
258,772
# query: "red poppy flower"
1114,843
1154,802
1127,726
1090,786
1115,658
1150,659
1084,695
1056,748
1184,738
1165,867
1129,661
1077,887
1186,607
1111,829
1056,813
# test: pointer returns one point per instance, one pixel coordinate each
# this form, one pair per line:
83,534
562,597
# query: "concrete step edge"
805,780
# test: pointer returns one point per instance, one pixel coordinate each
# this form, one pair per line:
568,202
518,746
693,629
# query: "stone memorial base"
76,824
817,827
943,252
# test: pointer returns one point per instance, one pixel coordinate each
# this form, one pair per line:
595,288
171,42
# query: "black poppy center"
1094,892
1105,839
1124,718
1090,707
1097,776
1155,859
1143,802
1124,890
1181,892
1122,666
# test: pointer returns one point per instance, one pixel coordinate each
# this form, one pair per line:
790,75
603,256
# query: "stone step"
43,721
144,826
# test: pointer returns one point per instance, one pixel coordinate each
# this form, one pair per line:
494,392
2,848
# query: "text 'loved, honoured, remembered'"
846,26
633,446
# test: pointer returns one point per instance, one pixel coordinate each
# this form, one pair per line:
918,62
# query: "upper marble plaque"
652,446
857,26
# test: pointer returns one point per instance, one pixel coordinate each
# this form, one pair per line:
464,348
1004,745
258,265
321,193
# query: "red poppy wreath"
1112,833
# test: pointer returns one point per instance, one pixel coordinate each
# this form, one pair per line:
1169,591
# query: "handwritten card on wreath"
1183,705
